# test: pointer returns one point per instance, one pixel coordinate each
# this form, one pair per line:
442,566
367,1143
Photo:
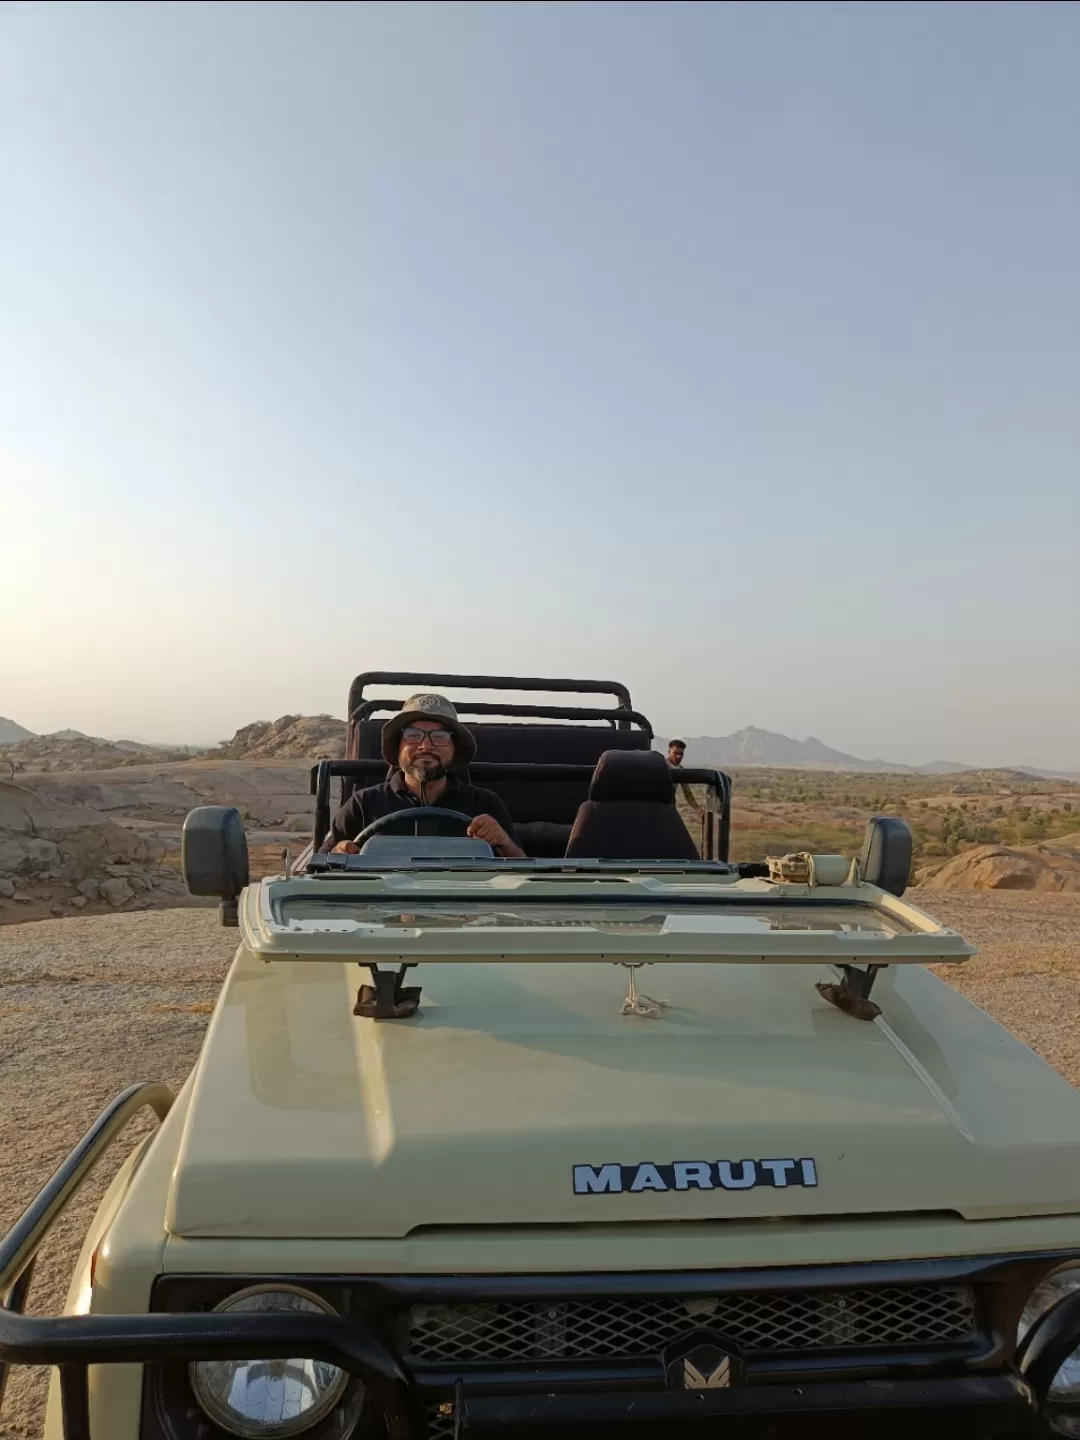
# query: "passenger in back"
676,750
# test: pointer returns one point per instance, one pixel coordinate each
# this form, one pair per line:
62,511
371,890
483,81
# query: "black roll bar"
487,682
74,1342
621,719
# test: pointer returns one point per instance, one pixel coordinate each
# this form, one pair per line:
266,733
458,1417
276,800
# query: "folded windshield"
302,911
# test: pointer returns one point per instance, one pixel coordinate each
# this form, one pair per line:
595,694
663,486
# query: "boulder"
90,888
116,891
13,854
16,805
48,839
1001,867
7,889
93,844
41,854
78,901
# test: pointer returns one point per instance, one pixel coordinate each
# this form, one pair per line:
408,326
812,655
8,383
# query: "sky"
731,351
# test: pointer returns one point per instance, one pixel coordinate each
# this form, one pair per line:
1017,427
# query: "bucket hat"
429,706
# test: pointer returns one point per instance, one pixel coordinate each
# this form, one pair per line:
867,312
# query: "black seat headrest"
640,775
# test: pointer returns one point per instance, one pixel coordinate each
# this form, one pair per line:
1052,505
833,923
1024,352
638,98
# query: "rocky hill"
71,750
1047,865
11,734
310,737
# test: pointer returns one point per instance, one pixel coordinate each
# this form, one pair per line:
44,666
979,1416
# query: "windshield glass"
623,919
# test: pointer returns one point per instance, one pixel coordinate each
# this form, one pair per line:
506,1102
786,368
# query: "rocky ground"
103,840
1027,971
88,1005
90,826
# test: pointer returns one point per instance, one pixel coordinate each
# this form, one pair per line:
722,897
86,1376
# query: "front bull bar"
74,1342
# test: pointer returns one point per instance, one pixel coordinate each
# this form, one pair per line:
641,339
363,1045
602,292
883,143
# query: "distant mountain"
11,734
141,742
1046,774
765,747
752,746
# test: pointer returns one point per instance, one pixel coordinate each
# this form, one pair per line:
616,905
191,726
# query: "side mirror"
214,856
886,854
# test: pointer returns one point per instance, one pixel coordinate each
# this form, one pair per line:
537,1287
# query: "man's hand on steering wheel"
479,827
486,827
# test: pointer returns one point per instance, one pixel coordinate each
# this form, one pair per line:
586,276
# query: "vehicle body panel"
309,1122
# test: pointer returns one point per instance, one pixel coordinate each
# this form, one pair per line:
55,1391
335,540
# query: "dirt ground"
1027,971
88,1005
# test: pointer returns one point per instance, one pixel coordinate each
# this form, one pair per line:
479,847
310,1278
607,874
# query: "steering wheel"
397,818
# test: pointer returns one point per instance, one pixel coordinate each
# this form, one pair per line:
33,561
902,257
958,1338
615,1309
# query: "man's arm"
348,821
688,796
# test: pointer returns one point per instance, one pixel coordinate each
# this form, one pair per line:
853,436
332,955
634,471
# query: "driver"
427,746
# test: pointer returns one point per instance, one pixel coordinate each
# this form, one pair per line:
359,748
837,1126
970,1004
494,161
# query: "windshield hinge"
387,998
852,994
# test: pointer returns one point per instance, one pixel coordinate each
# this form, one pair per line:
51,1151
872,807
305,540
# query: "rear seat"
543,810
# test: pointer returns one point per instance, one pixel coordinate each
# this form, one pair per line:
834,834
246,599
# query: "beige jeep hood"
306,1121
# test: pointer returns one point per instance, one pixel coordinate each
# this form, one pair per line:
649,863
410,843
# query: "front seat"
630,813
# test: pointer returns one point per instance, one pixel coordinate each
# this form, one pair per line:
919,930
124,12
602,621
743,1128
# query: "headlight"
1066,1387
261,1398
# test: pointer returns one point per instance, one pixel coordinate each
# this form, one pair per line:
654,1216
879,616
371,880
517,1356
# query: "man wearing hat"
428,747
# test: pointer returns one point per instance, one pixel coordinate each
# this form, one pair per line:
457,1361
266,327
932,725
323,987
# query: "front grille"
640,1326
440,1422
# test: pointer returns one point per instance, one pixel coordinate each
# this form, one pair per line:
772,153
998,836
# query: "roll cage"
539,758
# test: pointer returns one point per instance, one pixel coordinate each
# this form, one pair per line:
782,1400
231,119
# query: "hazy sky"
732,351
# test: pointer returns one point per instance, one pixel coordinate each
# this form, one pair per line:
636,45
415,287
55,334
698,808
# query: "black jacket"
364,806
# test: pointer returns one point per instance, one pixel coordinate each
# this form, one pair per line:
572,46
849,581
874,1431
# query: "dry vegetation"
777,810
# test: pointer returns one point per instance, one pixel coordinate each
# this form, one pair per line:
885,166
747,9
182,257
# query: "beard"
425,769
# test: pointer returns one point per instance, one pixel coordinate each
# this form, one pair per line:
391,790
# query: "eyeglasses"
413,735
